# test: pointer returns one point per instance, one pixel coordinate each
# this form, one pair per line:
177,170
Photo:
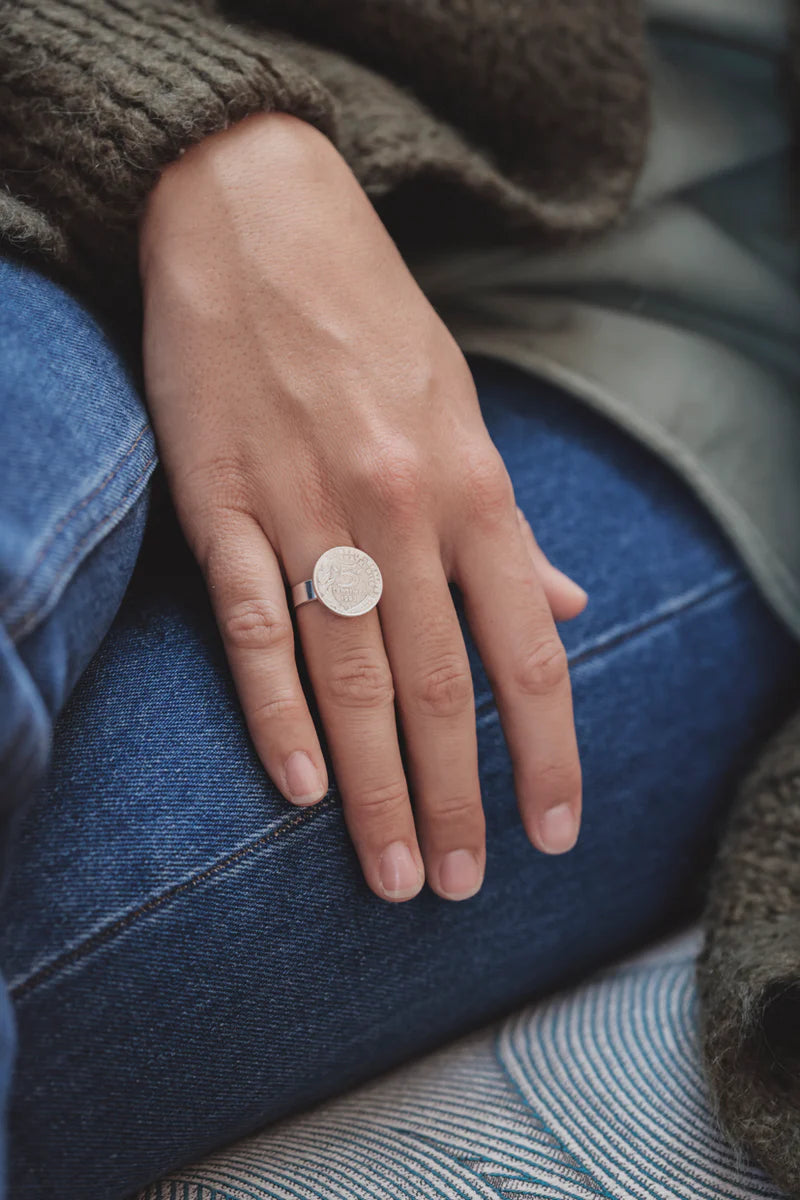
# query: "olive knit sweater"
534,117
541,121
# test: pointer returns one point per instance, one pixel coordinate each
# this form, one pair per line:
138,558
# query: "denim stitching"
27,622
5,604
155,902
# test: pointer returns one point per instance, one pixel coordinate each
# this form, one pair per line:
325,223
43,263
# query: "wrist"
260,161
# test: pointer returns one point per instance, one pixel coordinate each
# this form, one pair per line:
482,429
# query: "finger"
517,639
249,599
565,597
437,709
354,689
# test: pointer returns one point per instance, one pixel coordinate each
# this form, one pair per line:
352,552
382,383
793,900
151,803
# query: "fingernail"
460,875
580,593
400,875
558,830
303,781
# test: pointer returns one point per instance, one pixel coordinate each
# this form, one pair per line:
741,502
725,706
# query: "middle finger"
437,709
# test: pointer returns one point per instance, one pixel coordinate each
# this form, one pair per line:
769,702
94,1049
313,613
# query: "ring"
345,579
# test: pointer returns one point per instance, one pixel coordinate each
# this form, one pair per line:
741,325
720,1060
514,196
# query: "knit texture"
97,97
539,111
749,971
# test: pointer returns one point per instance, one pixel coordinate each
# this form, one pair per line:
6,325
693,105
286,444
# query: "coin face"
347,581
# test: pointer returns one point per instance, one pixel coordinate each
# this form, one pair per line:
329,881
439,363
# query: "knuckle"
276,708
445,690
257,625
543,669
383,801
463,811
488,489
219,482
360,681
393,478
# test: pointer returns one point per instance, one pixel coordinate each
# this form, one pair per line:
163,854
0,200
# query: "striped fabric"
597,1092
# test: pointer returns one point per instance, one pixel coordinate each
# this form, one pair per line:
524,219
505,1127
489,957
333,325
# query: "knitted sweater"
533,117
539,120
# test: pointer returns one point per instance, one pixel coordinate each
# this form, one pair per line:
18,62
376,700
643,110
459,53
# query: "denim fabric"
76,453
189,957
75,457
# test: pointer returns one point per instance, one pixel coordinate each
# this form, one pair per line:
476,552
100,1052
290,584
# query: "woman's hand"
306,395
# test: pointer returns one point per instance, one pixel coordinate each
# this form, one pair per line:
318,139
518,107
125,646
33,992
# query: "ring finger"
353,685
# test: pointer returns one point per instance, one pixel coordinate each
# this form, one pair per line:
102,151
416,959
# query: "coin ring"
347,581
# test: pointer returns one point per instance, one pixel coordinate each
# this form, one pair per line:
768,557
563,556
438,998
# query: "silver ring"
345,579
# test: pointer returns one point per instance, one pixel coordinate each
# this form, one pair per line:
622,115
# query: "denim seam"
612,640
19,587
27,753
107,932
687,603
27,621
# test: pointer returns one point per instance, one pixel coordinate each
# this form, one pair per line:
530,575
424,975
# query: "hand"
306,395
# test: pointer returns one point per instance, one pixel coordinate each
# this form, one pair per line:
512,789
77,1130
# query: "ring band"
345,580
303,593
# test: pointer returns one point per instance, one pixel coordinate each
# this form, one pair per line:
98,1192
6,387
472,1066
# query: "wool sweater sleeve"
537,113
552,89
97,96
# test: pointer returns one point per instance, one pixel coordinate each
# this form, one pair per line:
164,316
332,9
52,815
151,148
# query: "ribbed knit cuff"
97,96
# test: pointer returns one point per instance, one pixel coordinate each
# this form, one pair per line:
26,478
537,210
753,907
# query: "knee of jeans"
39,669
76,457
76,449
25,728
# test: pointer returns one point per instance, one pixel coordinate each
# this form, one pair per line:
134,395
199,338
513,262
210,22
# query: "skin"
305,395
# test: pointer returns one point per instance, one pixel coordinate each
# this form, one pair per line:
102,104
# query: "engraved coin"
347,581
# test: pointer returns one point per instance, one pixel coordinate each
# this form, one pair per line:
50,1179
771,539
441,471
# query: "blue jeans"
187,956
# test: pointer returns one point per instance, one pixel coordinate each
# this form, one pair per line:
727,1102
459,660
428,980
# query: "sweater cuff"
98,96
